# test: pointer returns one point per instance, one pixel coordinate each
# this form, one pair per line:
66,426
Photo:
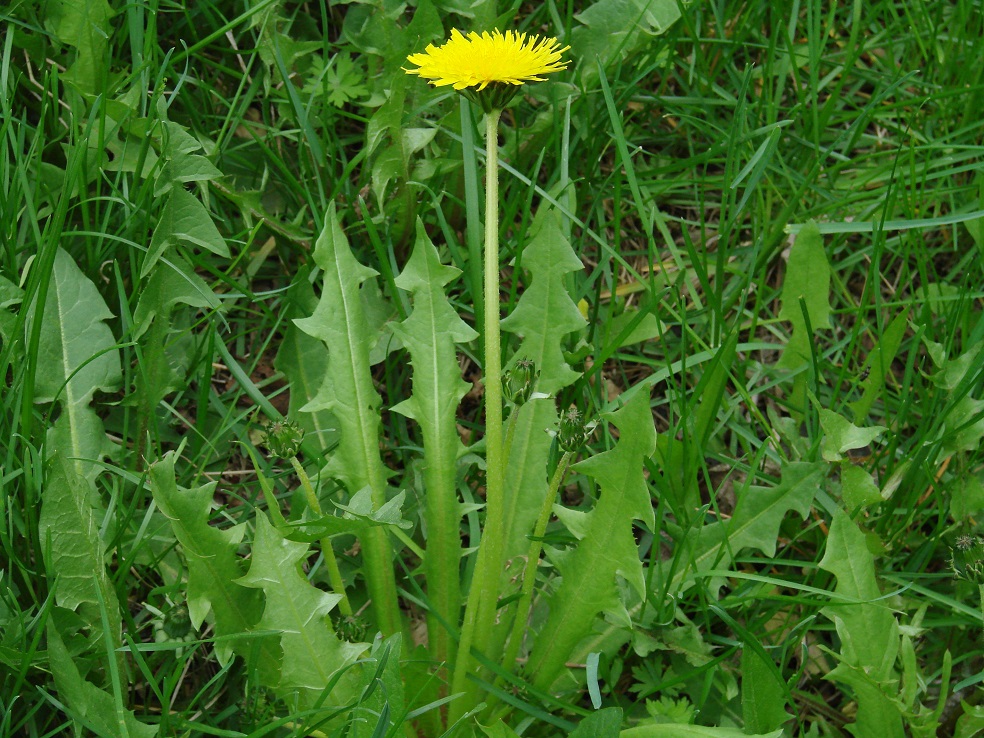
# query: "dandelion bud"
967,558
520,381
283,438
573,432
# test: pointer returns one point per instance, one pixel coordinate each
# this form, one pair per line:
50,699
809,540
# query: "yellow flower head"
474,62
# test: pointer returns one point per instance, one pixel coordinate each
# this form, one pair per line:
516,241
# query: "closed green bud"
967,558
520,381
573,432
177,622
283,438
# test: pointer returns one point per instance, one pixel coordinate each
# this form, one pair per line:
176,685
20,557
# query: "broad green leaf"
878,714
499,730
968,502
339,321
763,697
691,731
868,630
527,474
10,295
183,220
213,568
545,313
84,25
90,706
647,327
173,283
526,485
807,278
971,722
76,357
72,548
806,284
430,335
312,653
303,359
961,424
878,364
608,549
841,435
348,393
601,724
611,29
755,523
858,488
687,641
382,679
182,164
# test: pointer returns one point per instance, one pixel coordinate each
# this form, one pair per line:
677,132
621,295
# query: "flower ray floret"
477,60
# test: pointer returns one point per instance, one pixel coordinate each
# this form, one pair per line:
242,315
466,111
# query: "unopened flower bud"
573,432
520,381
967,558
283,438
177,622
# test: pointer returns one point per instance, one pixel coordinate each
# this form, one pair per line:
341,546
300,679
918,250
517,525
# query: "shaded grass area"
680,166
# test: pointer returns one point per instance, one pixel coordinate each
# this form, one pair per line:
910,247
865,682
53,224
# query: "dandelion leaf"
76,357
86,27
184,220
545,313
347,391
213,568
90,706
868,631
805,297
312,653
303,359
430,335
841,435
763,694
174,283
339,321
755,523
608,549
73,549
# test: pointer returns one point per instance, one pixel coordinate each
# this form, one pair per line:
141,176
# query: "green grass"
683,166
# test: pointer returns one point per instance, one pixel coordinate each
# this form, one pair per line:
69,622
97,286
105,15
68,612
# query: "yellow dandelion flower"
474,62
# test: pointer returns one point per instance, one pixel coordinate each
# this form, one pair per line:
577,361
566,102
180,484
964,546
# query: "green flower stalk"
488,69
